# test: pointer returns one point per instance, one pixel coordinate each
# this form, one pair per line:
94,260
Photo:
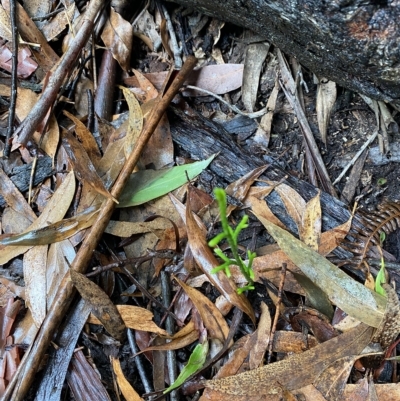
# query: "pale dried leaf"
343,291
136,318
135,121
35,262
257,352
255,56
117,35
127,390
55,210
326,97
294,203
270,379
310,229
57,24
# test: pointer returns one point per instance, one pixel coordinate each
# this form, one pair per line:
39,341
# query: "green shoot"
381,276
231,235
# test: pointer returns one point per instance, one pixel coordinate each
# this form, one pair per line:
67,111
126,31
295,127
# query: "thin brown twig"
63,299
14,75
277,312
38,112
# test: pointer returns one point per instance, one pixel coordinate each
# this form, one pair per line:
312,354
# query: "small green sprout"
231,235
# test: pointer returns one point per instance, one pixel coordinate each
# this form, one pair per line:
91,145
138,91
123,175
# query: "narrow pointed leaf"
352,297
146,185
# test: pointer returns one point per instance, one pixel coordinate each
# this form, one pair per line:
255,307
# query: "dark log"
201,138
21,175
355,43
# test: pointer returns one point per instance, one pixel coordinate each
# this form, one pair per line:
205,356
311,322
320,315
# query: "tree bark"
355,43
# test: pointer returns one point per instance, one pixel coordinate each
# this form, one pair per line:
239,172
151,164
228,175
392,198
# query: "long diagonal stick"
59,308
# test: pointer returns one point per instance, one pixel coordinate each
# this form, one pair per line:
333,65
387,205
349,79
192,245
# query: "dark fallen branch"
201,138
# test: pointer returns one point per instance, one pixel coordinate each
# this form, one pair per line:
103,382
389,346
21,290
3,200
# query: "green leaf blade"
147,185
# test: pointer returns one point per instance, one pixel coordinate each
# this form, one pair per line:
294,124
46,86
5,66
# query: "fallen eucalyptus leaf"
147,185
349,295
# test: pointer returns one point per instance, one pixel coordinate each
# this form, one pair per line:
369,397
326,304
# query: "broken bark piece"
353,43
21,175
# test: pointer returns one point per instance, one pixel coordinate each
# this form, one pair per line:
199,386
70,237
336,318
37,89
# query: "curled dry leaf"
83,166
127,390
212,318
102,307
86,138
294,203
326,97
54,211
117,35
57,24
137,318
207,261
159,150
135,121
54,232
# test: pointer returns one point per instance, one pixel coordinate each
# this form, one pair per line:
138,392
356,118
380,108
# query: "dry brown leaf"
26,99
294,203
117,35
126,389
262,338
264,381
260,207
219,79
159,150
207,261
212,318
83,166
332,381
47,58
136,318
35,262
310,229
5,24
135,121
101,304
55,210
326,97
290,341
255,56
165,37
86,138
14,198
59,258
26,64
240,188
128,228
57,24
263,133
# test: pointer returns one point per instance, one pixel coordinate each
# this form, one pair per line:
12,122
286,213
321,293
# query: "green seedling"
231,235
195,363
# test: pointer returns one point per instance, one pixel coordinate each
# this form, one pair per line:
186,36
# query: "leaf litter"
88,160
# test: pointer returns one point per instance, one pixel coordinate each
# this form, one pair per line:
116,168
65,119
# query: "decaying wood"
20,176
201,138
32,360
354,43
